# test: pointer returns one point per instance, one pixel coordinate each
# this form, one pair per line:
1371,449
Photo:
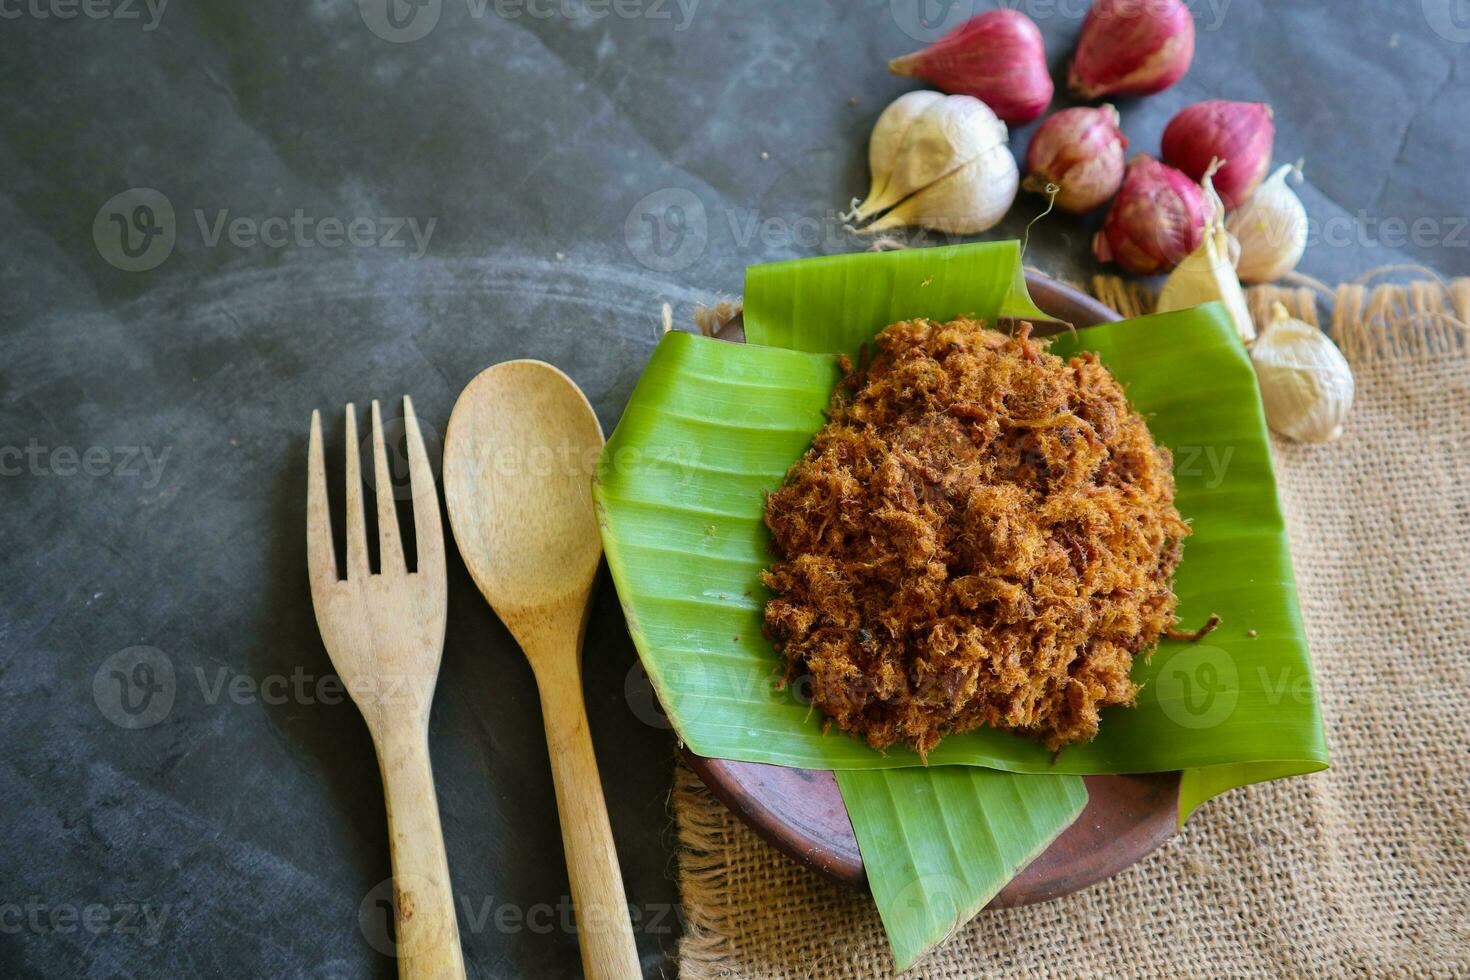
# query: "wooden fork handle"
603,929
423,897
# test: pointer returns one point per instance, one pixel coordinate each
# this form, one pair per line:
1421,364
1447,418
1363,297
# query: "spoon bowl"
522,445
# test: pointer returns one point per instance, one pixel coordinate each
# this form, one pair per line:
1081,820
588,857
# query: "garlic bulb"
1306,383
1208,274
888,134
968,201
942,139
1272,230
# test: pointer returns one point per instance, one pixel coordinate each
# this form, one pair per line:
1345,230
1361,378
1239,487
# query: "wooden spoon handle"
427,931
608,951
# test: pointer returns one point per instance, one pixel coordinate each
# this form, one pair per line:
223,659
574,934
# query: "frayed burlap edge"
1424,318
708,944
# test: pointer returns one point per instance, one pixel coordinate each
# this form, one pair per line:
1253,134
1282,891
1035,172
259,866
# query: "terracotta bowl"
800,811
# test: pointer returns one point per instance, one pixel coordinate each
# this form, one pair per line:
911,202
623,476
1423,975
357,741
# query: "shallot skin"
1132,47
1239,133
1157,220
1081,151
998,57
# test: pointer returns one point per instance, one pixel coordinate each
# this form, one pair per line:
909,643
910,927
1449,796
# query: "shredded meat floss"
982,534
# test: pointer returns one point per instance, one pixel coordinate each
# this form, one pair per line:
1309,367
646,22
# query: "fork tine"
426,525
357,555
390,547
321,555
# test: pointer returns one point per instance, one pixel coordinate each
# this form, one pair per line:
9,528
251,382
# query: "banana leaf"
713,426
939,843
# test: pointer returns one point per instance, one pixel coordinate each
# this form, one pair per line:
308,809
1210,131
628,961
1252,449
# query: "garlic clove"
947,135
1306,384
998,57
1272,230
888,134
1238,134
1081,151
1128,47
1205,276
968,201
1208,273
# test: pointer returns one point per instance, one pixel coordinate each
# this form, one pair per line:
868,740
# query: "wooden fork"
385,635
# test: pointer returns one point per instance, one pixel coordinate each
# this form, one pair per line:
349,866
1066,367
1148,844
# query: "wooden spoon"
518,461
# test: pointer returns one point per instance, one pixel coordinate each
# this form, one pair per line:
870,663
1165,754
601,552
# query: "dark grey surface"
254,830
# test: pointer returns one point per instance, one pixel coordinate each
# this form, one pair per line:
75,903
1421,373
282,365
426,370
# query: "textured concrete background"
206,805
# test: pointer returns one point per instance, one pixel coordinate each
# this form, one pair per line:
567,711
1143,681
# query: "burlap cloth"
1364,869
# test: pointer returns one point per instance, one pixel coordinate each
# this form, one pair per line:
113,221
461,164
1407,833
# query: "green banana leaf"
939,843
713,426
836,303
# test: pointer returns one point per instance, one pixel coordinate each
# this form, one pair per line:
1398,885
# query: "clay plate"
801,812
